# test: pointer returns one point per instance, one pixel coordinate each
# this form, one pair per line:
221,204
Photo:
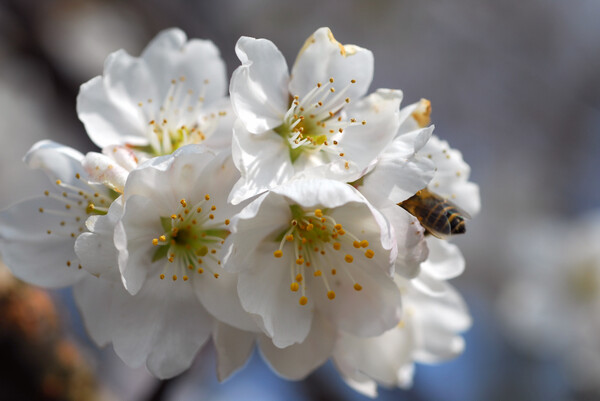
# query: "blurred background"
515,85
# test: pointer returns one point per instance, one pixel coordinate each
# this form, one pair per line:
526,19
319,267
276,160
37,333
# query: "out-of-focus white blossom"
551,306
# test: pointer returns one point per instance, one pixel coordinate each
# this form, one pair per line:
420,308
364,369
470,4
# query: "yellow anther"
330,294
47,193
213,208
68,263
211,216
364,243
317,273
77,176
227,222
174,277
162,238
294,287
162,276
191,266
299,261
356,244
333,272
341,232
183,203
58,182
200,270
353,81
173,216
289,237
171,259
69,206
199,210
338,227
41,210
155,241
303,301
185,278
357,287
348,258
207,197
278,253
309,227
299,277
364,122
369,253
337,246
331,80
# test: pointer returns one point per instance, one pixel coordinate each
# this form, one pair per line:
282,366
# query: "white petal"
96,249
299,360
164,326
445,260
258,87
381,358
133,240
314,192
263,160
250,228
103,169
322,57
410,239
363,143
169,56
264,290
219,297
369,312
439,320
93,297
57,161
399,173
233,347
31,253
107,111
220,138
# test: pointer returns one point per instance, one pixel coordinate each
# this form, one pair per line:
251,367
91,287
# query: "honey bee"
437,215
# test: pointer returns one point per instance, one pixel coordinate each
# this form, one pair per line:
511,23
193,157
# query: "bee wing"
458,209
441,232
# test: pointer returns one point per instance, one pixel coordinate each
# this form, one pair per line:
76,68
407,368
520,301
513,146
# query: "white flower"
172,95
551,304
167,231
37,235
314,121
314,246
428,333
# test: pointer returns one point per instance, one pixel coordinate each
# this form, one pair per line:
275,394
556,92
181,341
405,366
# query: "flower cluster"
292,215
